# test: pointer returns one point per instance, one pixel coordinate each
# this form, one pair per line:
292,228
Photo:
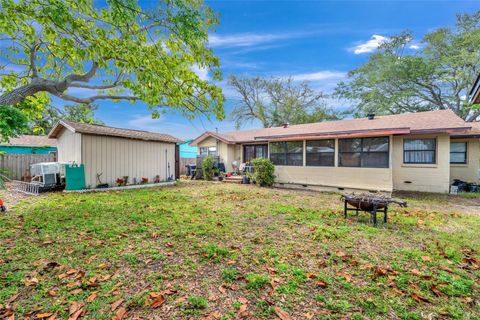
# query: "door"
177,161
253,151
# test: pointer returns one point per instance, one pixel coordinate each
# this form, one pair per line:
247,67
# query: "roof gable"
101,130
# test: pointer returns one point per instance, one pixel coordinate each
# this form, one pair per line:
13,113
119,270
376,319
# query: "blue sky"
318,41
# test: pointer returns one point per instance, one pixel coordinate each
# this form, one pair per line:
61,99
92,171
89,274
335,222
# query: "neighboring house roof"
102,130
407,123
475,91
31,141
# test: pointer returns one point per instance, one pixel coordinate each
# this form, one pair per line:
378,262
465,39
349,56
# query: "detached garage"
115,153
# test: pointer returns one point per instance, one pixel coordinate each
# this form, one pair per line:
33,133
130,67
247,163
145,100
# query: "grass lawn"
222,251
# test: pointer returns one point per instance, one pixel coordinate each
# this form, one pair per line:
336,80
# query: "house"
29,144
421,151
114,152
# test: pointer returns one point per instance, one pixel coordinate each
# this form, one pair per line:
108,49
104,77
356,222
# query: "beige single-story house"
116,152
422,151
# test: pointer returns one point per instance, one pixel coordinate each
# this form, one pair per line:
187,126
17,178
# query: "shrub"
207,167
229,274
263,172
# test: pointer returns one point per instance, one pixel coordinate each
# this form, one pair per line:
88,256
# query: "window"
320,153
458,152
421,151
364,152
208,151
254,151
287,153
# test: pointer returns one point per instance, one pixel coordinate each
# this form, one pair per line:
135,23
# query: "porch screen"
364,152
287,153
421,151
320,153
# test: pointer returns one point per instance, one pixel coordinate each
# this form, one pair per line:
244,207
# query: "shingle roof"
421,122
102,130
475,91
31,141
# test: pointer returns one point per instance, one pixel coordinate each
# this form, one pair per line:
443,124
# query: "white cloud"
369,46
318,76
202,73
247,39
414,46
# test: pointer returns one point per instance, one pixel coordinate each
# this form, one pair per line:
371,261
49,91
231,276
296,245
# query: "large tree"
276,101
78,52
83,113
437,75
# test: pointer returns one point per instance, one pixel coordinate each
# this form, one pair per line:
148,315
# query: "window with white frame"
208,151
420,151
458,152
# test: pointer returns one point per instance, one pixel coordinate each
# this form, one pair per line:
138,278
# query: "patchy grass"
229,251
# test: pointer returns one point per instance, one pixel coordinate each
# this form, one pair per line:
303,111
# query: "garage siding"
118,157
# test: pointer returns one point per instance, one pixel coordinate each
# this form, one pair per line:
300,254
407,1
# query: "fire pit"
369,203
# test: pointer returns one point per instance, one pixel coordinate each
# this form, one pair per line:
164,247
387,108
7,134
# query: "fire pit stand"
369,203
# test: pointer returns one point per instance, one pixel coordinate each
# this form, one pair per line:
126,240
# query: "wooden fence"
184,162
15,165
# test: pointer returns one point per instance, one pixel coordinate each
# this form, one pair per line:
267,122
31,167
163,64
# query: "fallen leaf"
282,314
156,299
320,283
380,271
116,304
30,282
222,289
43,315
345,275
243,300
437,292
311,275
52,293
76,291
121,312
415,272
242,311
92,296
74,284
419,298
426,258
75,311
340,253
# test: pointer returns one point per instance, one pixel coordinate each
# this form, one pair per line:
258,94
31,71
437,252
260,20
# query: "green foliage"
207,167
215,252
437,75
83,113
277,101
263,173
229,274
12,123
196,302
118,51
256,281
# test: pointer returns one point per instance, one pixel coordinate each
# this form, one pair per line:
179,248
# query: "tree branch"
95,98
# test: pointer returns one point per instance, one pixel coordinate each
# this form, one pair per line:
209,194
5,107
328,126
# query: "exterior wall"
422,177
69,146
467,172
227,152
375,179
118,157
27,150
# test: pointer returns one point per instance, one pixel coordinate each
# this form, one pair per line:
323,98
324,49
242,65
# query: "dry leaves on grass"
75,310
120,314
92,296
282,314
417,297
116,304
155,300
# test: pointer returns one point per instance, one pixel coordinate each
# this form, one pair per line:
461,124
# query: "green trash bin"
74,177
